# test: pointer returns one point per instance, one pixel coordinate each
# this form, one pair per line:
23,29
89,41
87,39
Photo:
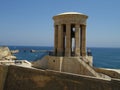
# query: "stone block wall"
19,78
55,63
71,65
42,64
3,74
110,73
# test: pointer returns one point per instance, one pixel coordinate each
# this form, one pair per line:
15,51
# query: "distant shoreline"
51,46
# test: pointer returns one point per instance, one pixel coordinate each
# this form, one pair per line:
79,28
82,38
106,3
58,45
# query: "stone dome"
66,13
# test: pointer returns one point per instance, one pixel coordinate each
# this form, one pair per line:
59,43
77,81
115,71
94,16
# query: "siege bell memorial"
69,46
68,27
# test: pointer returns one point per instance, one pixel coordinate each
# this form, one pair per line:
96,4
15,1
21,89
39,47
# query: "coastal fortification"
21,78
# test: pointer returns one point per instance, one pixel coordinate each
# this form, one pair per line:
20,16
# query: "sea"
102,57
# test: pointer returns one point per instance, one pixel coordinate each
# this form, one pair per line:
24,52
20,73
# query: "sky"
30,23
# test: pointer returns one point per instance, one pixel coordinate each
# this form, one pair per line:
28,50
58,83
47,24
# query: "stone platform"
74,65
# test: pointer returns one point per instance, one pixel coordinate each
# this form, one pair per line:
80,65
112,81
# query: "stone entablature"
70,18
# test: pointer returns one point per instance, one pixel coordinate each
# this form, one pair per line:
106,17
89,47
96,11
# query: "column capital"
83,26
68,24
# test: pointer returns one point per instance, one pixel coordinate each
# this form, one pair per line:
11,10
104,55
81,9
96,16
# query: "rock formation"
14,51
5,53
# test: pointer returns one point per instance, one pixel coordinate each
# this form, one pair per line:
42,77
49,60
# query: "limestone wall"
110,73
42,64
49,62
3,73
71,65
90,60
55,63
19,78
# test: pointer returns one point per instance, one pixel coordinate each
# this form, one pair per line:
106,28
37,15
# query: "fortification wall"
3,73
42,64
72,65
19,78
55,63
110,73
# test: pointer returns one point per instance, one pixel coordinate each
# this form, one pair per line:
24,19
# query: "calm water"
103,57
106,57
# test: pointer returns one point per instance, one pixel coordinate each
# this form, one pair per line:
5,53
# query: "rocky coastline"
5,54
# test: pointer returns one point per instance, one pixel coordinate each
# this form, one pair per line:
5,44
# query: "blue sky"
29,22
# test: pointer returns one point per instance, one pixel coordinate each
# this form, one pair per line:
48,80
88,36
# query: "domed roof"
70,13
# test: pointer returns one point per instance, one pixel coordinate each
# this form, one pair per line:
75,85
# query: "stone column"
55,39
68,40
77,40
83,46
60,41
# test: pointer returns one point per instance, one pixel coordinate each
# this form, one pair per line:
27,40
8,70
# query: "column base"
67,52
77,51
60,52
83,54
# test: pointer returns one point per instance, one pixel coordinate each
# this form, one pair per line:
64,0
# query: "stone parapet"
20,78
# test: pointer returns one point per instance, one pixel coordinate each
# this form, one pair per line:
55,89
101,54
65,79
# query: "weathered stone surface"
5,53
19,78
43,63
110,73
14,51
70,27
66,64
3,74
